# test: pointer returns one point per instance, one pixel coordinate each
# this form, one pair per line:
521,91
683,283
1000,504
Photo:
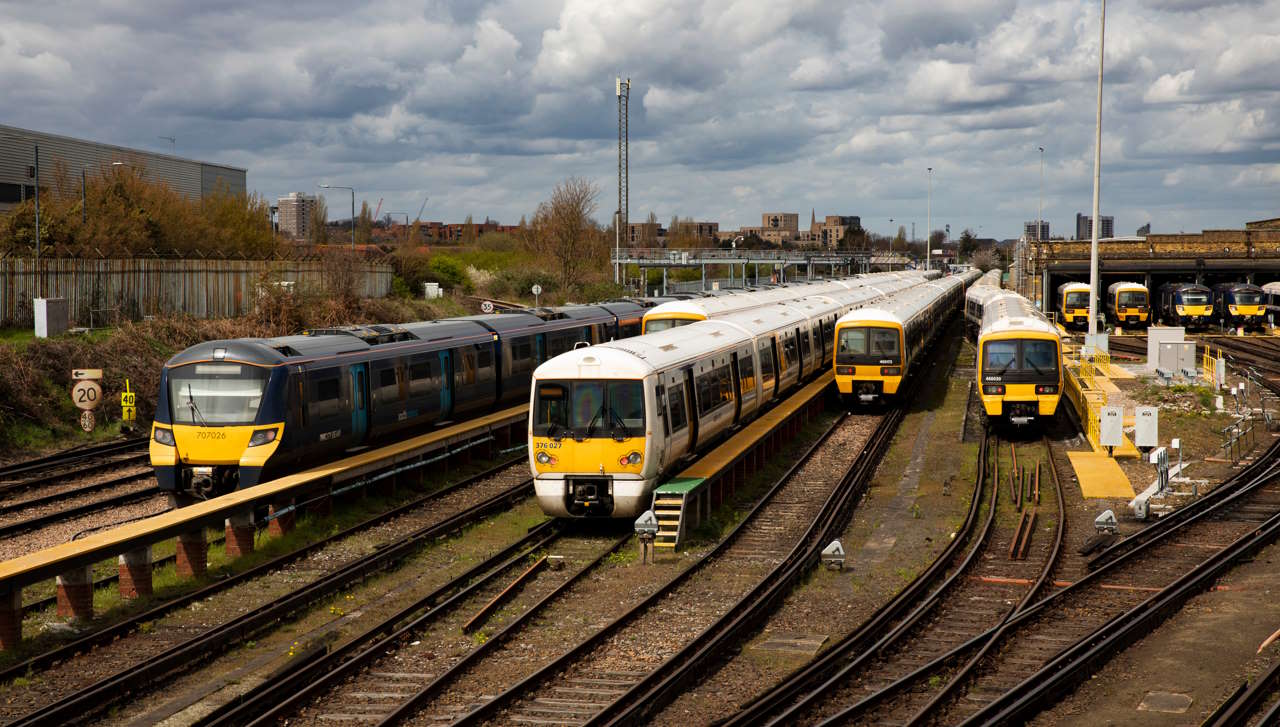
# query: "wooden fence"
103,290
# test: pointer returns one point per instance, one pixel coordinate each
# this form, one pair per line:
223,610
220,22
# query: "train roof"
633,358
622,307
1125,285
901,306
1073,287
1013,313
1271,288
1236,286
1183,285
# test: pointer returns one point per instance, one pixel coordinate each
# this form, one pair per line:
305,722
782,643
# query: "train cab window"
1248,297
1131,299
884,342
999,356
852,341
216,393
1077,300
1039,356
675,401
746,374
586,409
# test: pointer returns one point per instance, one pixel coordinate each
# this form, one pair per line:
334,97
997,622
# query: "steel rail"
1077,662
900,630
73,455
664,683
272,701
7,508
881,620
582,647
379,648
39,521
115,631
1245,702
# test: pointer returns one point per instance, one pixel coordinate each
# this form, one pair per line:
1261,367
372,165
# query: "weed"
622,556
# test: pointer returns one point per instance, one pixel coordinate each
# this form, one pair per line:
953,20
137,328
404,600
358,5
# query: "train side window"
804,345
484,358
675,402
766,364
295,406
467,368
326,398
388,388
420,375
747,374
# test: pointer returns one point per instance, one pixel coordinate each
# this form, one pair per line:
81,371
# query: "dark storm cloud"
736,105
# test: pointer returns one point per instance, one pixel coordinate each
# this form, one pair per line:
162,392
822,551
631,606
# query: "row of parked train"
610,422
1226,305
232,413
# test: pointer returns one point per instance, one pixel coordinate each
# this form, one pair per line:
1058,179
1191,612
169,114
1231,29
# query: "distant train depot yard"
888,498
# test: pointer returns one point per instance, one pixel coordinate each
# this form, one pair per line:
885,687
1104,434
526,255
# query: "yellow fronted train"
1019,357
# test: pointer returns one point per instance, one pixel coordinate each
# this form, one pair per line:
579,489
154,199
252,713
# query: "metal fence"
100,290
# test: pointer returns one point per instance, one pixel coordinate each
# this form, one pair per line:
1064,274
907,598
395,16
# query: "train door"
446,385
691,407
359,401
540,348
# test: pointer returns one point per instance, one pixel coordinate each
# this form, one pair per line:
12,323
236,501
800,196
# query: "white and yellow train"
877,345
608,422
1019,356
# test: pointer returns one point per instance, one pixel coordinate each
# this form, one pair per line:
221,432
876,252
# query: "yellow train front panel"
848,377
1046,404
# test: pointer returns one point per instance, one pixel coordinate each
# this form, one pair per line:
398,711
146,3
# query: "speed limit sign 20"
86,395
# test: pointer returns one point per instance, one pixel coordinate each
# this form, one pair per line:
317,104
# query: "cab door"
446,386
359,374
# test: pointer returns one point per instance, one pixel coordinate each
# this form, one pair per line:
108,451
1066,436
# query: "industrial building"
18,165
295,213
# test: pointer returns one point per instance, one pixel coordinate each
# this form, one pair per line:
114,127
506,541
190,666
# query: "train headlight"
1047,389
544,458
626,459
890,370
261,437
993,389
164,436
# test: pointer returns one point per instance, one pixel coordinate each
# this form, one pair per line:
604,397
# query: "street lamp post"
1097,178
892,234
353,209
1040,208
928,231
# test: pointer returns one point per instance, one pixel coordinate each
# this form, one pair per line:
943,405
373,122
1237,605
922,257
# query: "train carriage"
878,345
1073,304
1018,361
233,413
1239,305
1128,304
986,288
1186,304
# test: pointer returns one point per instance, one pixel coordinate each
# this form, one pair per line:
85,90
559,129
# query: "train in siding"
1271,298
1128,304
680,313
1019,356
877,345
1186,304
607,423
233,413
1073,304
990,283
1239,305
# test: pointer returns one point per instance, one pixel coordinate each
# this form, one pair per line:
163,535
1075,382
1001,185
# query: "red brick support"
280,524
193,555
135,573
240,532
10,619
75,594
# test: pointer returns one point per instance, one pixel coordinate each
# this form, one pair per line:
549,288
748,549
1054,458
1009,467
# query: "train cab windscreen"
1248,297
224,394
1195,297
862,344
654,325
1029,357
589,409
1131,299
1077,299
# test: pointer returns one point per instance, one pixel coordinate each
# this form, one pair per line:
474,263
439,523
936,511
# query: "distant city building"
1084,227
1029,230
457,231
294,214
645,234
195,179
1144,230
832,229
784,222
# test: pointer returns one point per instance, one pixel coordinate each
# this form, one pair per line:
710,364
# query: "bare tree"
319,222
985,259
563,235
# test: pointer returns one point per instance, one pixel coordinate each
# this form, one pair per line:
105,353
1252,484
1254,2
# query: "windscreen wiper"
591,425
619,432
191,402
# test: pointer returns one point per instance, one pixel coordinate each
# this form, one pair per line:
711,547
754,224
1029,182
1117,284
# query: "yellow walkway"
1100,476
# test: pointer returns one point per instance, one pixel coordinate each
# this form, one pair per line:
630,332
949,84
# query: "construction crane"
420,209
379,209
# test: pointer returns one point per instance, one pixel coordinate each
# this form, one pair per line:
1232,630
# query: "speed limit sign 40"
86,395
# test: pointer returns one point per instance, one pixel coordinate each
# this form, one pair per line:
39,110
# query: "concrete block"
53,316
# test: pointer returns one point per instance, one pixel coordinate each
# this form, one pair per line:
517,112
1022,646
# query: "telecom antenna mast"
623,215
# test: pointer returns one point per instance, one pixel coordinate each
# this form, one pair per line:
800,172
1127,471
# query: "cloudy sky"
738,106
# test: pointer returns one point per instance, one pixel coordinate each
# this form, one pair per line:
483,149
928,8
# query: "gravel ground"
918,483
67,530
80,672
71,481
644,643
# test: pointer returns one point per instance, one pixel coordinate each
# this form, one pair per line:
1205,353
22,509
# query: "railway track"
1256,703
910,653
638,658
35,472
70,694
1050,646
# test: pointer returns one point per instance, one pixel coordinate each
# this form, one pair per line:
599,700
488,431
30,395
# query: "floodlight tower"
623,215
